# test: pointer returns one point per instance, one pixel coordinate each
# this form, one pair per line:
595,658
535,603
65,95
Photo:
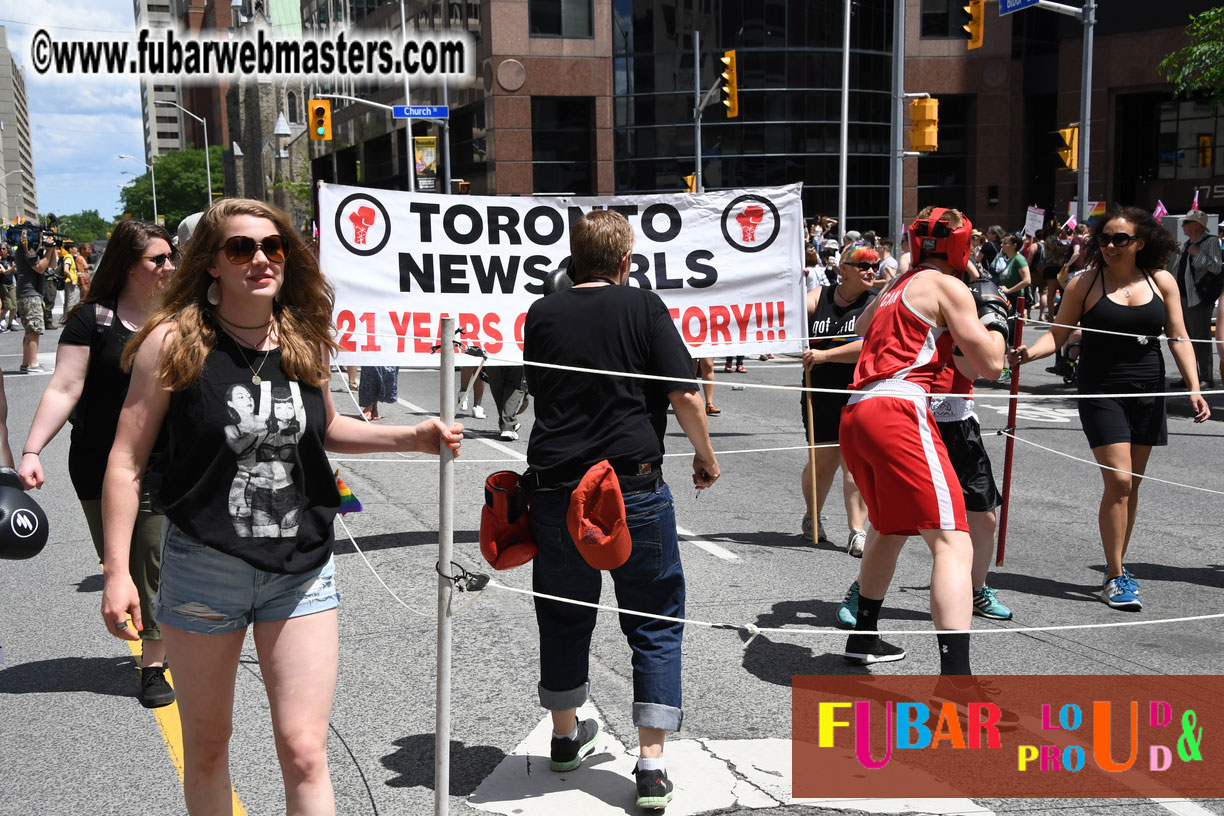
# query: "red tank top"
902,345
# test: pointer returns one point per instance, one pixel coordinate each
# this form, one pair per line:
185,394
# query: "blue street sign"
1008,6
420,112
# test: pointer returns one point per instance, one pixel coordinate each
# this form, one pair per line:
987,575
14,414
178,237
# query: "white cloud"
78,124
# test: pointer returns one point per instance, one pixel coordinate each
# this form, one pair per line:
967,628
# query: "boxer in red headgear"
890,441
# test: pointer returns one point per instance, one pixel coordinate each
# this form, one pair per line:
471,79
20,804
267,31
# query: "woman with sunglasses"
1123,290
88,388
829,363
235,363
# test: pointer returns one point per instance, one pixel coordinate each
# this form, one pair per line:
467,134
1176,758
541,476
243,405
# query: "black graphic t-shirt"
832,319
246,472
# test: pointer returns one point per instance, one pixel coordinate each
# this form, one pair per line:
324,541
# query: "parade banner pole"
811,436
446,535
1011,429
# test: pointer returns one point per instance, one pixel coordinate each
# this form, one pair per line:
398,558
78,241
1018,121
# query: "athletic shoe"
37,368
567,754
806,526
1005,377
1131,578
478,411
463,406
654,789
986,605
854,545
727,368
863,649
509,436
1121,593
847,611
155,692
961,690
820,530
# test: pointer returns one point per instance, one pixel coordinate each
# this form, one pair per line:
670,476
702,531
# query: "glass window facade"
943,19
563,144
943,176
559,18
789,55
1190,133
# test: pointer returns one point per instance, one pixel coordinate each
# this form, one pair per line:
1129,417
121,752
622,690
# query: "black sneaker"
965,689
155,692
654,789
864,649
567,754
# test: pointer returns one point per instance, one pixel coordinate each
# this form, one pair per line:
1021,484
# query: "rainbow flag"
348,502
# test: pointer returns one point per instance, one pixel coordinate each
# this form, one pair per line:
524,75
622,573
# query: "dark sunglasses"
1118,239
159,260
241,248
861,265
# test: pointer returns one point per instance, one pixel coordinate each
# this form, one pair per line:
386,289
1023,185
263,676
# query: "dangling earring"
213,294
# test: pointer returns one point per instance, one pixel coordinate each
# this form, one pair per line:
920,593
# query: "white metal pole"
407,103
1085,126
446,533
698,182
896,190
207,163
153,182
845,122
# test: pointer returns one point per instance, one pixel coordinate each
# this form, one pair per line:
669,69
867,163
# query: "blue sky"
79,124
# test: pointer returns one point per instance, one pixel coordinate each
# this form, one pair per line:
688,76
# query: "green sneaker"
847,612
567,754
986,605
654,789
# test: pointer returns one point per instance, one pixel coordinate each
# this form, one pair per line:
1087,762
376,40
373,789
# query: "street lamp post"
204,123
152,179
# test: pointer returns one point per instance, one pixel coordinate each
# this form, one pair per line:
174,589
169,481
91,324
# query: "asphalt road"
74,740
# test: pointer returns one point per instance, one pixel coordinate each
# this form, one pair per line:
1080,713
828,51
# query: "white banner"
728,264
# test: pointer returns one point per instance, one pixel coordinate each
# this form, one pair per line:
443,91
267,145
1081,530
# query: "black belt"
633,478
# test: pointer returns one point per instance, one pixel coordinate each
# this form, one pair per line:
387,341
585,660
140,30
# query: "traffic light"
730,84
320,119
924,132
976,11
1068,148
690,183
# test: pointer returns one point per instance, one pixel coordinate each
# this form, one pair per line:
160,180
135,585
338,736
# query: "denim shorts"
208,592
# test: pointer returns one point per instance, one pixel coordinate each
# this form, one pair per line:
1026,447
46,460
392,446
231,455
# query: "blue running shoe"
847,612
1131,578
1120,593
986,605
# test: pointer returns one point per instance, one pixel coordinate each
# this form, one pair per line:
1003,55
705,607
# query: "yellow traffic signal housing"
690,183
1068,151
320,119
924,132
730,84
976,10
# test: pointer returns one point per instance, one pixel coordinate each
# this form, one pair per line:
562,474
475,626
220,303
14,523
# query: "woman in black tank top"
832,311
1124,292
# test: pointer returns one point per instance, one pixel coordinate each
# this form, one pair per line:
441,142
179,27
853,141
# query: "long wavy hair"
302,312
1158,246
127,245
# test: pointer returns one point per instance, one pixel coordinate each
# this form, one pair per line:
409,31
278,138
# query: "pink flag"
1160,212
1072,223
1194,206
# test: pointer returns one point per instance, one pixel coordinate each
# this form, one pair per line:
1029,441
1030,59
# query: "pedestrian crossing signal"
1068,147
730,88
320,119
924,132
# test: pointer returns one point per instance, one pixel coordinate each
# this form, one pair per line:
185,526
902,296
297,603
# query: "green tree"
1198,69
182,186
83,227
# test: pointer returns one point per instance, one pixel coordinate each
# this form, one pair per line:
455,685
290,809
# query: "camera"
36,234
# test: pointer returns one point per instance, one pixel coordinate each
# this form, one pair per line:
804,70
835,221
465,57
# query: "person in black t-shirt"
581,420
87,389
248,311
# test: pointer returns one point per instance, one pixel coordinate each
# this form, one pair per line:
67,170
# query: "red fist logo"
752,215
362,219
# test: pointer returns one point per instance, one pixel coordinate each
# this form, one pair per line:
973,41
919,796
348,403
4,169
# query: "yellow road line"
172,731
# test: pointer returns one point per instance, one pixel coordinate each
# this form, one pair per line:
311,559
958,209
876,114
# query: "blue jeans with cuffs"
652,580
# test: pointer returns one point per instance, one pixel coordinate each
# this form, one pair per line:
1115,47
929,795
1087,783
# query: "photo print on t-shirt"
264,501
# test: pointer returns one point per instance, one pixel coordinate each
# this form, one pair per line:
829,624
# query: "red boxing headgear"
930,236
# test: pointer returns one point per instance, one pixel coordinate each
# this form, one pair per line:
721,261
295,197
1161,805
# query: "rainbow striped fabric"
348,502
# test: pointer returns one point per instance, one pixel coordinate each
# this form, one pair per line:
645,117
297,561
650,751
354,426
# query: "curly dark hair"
1159,248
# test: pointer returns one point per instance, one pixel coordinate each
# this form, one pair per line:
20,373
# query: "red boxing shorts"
893,449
